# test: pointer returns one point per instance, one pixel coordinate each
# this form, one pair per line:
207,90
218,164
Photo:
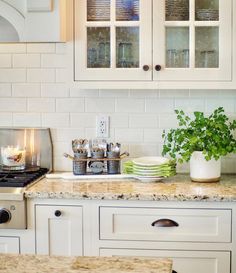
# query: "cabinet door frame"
82,73
72,216
223,73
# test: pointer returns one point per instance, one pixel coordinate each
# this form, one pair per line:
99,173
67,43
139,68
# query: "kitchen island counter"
10,263
177,188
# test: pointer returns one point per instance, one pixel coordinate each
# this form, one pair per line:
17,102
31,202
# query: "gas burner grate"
16,179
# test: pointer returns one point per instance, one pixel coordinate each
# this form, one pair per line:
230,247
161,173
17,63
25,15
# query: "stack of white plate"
151,169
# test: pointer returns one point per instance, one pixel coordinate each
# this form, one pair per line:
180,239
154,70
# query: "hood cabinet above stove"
33,20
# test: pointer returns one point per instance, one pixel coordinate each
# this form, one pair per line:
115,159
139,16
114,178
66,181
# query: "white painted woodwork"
61,235
183,261
110,74
42,5
47,23
10,245
223,73
195,225
223,77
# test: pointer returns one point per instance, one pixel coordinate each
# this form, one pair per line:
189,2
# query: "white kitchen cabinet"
59,230
183,261
10,245
153,41
34,21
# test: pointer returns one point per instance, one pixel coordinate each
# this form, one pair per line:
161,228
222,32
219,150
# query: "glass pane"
98,47
177,47
127,10
177,10
98,10
127,47
207,10
207,47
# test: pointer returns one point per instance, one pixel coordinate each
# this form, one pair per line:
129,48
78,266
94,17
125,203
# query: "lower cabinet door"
183,261
10,245
59,230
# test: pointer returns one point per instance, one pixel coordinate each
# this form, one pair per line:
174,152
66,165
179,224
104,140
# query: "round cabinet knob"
5,216
146,67
158,67
57,213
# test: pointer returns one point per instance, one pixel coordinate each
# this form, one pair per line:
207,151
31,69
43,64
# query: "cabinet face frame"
82,73
223,73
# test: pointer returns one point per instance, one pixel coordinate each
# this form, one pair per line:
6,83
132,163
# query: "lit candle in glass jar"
13,157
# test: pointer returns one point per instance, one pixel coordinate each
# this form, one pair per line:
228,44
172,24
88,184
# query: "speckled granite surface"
10,263
178,188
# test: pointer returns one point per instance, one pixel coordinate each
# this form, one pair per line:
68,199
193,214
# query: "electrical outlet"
102,126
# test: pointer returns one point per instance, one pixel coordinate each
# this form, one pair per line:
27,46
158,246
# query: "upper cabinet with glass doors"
153,40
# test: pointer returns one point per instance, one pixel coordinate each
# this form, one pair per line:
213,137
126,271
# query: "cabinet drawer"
183,261
193,225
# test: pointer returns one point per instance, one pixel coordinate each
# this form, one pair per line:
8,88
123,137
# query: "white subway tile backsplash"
61,75
143,121
70,105
25,90
174,93
55,120
12,75
190,105
116,93
54,90
27,119
41,75
83,120
99,105
153,135
144,93
41,48
139,150
5,90
6,119
41,105
129,105
12,48
26,60
35,91
128,135
53,60
86,93
12,105
159,105
212,104
5,60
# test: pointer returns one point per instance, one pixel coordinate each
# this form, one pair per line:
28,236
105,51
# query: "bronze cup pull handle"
165,223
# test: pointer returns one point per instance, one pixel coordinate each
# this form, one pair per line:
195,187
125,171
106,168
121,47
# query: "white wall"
34,92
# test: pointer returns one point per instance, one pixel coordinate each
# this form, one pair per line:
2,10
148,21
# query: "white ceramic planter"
202,170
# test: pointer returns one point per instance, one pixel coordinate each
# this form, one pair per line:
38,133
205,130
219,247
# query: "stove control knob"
5,216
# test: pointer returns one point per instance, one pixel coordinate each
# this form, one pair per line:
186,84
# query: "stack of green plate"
150,169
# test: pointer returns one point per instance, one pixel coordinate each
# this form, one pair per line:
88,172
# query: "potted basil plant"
202,141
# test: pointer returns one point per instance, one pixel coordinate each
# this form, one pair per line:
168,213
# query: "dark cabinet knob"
158,67
57,213
5,216
173,271
146,67
165,223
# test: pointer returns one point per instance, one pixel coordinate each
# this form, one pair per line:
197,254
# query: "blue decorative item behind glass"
127,10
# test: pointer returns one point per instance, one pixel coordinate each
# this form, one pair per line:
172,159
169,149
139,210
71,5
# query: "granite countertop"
177,188
11,263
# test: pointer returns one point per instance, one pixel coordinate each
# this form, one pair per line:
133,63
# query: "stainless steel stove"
17,173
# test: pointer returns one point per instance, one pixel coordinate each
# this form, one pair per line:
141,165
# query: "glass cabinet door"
113,40
192,37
